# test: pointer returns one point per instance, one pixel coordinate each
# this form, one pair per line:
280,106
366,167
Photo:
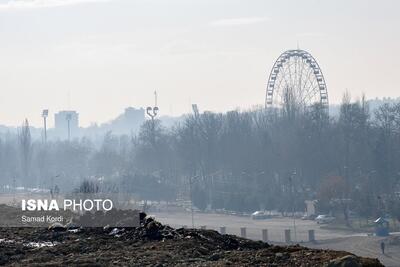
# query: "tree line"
239,160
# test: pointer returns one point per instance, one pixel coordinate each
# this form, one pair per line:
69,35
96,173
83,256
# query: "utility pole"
292,189
191,197
15,189
45,113
191,201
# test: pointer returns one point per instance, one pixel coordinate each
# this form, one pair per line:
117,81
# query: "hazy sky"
108,55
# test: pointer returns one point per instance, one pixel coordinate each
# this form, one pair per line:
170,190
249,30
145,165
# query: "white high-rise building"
66,124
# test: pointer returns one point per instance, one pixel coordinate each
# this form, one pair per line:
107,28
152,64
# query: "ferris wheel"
296,78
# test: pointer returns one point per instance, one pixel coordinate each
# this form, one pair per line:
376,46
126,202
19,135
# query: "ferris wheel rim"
312,63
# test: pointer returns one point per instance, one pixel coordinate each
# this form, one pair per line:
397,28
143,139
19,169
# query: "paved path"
366,246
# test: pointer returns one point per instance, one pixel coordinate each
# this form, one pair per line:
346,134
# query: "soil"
154,244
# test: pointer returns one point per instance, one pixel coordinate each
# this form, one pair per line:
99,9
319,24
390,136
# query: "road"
366,246
275,226
359,244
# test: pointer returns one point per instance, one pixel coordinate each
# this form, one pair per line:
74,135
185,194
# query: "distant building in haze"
126,123
61,124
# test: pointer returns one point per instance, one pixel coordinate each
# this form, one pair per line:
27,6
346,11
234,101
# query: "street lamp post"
45,113
152,113
191,197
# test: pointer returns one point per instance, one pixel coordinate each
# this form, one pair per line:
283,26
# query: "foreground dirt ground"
98,247
154,244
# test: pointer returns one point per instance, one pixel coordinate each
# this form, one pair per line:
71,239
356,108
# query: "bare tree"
25,145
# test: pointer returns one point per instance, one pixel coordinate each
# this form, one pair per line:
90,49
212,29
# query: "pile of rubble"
155,244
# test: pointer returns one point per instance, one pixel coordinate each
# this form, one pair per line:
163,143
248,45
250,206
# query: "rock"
142,216
152,226
168,235
202,250
346,261
148,220
215,257
116,231
71,226
57,227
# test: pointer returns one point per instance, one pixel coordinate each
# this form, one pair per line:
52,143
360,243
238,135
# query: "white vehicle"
309,217
259,215
324,219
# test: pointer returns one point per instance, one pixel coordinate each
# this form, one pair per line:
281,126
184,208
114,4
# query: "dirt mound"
155,244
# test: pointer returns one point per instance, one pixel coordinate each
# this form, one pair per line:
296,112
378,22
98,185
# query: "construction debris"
155,244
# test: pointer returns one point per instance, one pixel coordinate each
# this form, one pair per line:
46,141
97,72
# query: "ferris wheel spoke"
288,84
313,90
311,93
304,89
301,79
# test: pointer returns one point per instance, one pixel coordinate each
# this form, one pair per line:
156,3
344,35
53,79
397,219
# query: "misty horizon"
333,108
